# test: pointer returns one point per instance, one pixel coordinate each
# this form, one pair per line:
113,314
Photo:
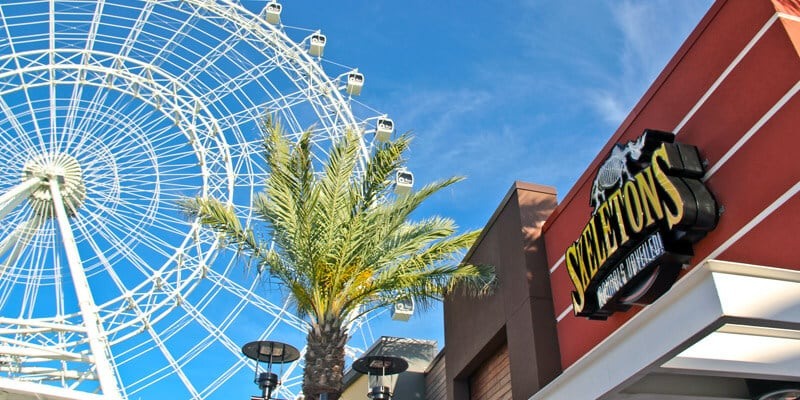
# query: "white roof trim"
708,297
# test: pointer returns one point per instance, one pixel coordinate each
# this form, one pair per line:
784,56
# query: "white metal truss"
111,111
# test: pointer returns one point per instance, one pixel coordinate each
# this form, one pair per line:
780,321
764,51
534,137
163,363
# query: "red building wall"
731,90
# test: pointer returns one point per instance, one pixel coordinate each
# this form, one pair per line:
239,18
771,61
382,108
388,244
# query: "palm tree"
342,243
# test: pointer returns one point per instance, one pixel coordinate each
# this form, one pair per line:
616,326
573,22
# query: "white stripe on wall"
564,313
754,222
752,131
726,72
555,266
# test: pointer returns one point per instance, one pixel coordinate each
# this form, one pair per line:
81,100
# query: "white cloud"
611,108
438,118
651,32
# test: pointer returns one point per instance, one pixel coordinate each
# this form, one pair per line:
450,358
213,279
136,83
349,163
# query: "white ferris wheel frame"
216,144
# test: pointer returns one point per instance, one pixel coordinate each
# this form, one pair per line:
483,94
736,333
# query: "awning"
721,332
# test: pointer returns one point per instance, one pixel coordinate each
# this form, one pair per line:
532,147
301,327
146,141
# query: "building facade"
671,269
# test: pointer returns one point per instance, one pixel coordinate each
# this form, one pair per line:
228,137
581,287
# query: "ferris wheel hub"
66,170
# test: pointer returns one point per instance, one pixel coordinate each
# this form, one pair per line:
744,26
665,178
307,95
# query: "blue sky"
499,91
516,90
522,90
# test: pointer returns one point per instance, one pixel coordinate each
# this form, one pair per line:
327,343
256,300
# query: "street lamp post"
380,371
270,353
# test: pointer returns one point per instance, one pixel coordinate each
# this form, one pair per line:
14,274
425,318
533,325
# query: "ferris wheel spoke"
137,28
162,225
90,117
130,215
152,242
247,150
29,294
34,119
188,355
21,132
98,111
173,179
159,341
58,289
16,145
77,88
52,41
98,252
168,155
134,155
248,173
179,33
124,147
173,363
254,299
9,282
228,84
212,57
120,211
255,112
217,331
23,238
123,211
126,251
91,35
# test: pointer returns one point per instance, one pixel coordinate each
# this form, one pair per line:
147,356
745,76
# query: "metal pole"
17,240
94,330
13,197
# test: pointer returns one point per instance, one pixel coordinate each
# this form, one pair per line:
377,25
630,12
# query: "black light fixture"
781,394
380,371
270,353
761,389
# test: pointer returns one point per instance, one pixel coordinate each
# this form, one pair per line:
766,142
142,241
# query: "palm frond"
341,241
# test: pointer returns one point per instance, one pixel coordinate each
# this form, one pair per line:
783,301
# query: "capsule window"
405,178
356,78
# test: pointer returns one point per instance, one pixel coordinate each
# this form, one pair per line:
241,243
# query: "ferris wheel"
110,113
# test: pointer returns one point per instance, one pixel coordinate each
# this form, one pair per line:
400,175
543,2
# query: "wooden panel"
492,380
435,381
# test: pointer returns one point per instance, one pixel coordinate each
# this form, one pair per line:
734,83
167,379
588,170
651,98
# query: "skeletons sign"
650,206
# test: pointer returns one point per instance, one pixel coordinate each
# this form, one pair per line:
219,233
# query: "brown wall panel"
520,313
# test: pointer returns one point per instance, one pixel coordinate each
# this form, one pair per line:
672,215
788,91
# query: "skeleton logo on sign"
614,171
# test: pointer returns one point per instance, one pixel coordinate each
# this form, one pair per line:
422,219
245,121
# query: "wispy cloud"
538,105
611,107
442,111
648,41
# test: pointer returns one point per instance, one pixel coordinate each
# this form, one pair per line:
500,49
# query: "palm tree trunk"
324,370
